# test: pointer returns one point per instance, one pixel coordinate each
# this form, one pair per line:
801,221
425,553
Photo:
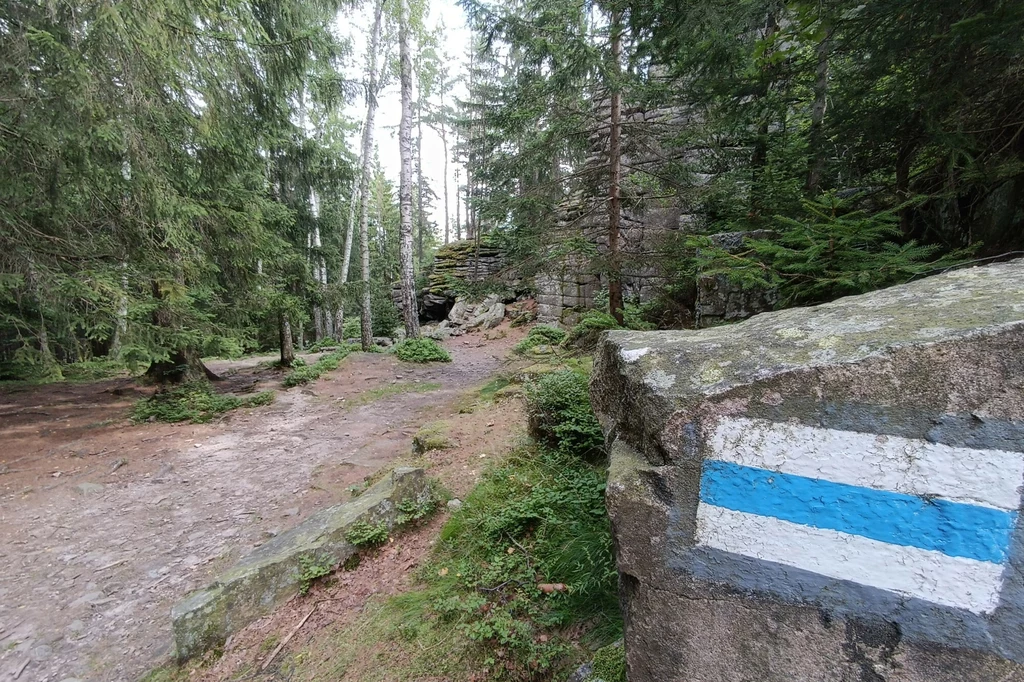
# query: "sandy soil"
315,620
104,524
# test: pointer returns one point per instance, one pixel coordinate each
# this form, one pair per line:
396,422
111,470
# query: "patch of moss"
432,436
610,663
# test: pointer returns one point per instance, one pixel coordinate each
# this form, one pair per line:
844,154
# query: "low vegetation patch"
432,436
540,335
307,373
363,534
585,333
311,569
522,585
196,402
388,390
421,350
560,415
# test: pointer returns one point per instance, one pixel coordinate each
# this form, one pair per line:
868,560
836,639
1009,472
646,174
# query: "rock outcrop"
825,493
273,573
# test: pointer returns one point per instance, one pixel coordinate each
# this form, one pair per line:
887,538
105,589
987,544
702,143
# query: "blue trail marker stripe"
953,528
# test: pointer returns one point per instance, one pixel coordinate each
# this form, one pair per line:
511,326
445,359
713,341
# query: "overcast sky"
389,113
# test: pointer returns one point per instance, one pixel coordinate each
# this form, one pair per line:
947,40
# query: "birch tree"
366,321
410,309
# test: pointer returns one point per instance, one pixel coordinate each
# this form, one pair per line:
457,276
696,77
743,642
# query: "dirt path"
104,525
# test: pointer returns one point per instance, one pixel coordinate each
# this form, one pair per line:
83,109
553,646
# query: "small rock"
89,488
454,505
41,652
294,511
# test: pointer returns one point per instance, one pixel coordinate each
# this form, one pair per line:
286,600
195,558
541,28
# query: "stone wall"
826,493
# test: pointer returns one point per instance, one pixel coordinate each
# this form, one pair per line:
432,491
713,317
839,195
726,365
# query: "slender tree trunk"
444,143
287,349
458,206
815,138
904,159
759,158
366,333
615,303
420,222
410,309
121,320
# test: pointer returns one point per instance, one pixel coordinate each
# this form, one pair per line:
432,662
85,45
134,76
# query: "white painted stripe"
989,478
932,576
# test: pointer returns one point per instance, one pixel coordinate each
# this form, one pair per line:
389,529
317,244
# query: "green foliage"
585,333
311,569
196,402
327,363
528,556
352,329
541,335
410,511
558,405
610,663
830,250
320,346
421,350
363,534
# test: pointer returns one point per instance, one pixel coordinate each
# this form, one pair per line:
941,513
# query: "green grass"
540,335
537,518
307,373
196,402
488,392
381,392
421,350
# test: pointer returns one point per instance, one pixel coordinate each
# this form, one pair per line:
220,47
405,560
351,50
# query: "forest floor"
104,524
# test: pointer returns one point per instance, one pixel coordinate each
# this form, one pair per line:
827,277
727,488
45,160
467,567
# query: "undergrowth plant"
421,350
585,333
311,569
527,557
308,373
196,402
560,415
540,335
363,534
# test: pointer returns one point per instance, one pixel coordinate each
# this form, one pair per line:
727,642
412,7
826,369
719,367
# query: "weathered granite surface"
826,493
271,574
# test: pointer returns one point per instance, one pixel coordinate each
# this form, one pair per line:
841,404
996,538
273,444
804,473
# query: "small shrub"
322,345
587,331
351,329
363,534
305,374
541,335
196,402
311,569
421,350
416,509
558,405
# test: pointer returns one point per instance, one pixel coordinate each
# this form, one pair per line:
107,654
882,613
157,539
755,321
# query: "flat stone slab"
254,586
821,489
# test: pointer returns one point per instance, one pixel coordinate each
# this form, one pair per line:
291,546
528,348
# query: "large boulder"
824,493
488,314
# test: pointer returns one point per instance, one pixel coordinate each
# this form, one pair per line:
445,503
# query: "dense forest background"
179,179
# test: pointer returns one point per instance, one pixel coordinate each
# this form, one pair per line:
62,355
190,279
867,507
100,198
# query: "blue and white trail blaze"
921,520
